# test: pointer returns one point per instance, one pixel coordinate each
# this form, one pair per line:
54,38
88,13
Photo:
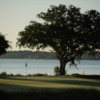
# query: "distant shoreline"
40,55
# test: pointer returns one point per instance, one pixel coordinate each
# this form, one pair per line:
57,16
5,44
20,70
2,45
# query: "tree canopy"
66,30
4,44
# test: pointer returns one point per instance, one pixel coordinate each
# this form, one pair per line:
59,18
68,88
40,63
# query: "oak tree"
66,30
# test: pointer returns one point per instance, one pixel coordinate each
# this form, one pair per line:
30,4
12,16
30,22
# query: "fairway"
23,83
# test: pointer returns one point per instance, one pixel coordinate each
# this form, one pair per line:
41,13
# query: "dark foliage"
4,45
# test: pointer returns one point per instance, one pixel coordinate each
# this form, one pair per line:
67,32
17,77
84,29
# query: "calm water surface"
17,66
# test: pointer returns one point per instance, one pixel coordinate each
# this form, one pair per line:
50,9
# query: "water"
17,66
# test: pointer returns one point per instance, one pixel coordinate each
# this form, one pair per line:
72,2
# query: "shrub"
56,70
39,74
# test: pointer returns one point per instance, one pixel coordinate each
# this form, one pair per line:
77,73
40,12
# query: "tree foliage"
4,44
66,30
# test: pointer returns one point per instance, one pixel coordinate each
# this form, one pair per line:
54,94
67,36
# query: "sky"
16,14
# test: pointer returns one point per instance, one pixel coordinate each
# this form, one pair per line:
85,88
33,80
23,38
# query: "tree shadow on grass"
71,82
14,88
67,81
47,94
77,82
17,92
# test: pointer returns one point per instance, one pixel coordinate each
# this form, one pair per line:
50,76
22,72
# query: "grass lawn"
48,87
40,82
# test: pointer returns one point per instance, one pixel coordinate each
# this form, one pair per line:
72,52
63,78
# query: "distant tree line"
41,55
29,55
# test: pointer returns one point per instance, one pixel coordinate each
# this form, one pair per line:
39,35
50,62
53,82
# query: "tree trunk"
62,67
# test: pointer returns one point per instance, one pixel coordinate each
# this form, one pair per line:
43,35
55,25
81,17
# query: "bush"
39,74
56,70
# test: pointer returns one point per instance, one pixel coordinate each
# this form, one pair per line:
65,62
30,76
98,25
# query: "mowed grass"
23,83
49,88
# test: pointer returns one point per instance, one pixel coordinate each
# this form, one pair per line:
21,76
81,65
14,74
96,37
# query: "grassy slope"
40,83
